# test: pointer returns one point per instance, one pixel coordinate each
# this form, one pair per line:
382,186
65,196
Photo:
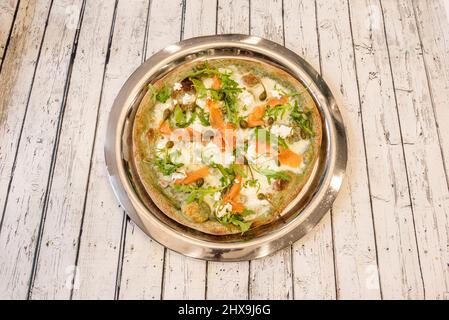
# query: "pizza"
224,145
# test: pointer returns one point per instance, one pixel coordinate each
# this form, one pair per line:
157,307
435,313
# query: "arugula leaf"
204,117
237,220
202,70
180,118
200,88
303,119
165,165
163,94
195,192
279,111
272,174
252,183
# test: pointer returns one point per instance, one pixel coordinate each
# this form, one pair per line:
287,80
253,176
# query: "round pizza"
224,145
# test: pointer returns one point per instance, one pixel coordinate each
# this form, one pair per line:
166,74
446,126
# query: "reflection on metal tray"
298,218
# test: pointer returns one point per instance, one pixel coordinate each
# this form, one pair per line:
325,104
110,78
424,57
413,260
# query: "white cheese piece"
275,94
253,203
213,154
178,175
217,196
177,86
159,109
180,153
201,102
188,98
246,98
300,146
223,210
208,82
281,130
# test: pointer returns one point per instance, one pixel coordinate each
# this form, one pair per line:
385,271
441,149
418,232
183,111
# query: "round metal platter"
297,219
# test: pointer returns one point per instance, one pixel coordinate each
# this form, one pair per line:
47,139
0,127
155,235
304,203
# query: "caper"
208,135
167,113
261,196
303,134
200,182
243,124
263,96
169,144
270,121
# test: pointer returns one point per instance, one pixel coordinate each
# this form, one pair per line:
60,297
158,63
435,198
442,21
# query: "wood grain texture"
143,261
25,202
313,261
185,278
433,26
229,280
59,243
428,184
103,217
353,234
270,277
16,79
397,253
7,11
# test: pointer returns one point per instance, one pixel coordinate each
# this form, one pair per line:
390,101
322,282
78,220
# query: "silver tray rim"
328,177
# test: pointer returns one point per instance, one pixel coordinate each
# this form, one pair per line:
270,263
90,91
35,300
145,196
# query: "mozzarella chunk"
282,131
247,98
208,82
201,102
188,98
177,175
223,210
177,86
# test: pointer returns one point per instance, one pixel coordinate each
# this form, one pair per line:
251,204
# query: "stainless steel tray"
297,219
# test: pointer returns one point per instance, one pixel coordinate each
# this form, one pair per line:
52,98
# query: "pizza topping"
177,86
255,118
281,130
289,158
228,141
193,176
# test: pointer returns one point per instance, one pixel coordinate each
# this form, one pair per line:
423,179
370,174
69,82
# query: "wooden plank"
59,244
143,261
229,280
425,167
313,261
393,218
270,277
25,202
7,11
185,278
353,234
16,79
103,218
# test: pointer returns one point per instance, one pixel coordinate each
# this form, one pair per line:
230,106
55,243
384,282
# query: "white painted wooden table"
62,232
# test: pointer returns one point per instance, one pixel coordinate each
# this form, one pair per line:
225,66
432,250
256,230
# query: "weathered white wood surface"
353,235
61,228
62,232
25,201
7,13
313,261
